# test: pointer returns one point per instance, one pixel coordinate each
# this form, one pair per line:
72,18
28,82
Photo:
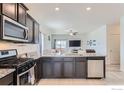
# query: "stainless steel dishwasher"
95,68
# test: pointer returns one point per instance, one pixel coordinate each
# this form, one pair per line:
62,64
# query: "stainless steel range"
24,67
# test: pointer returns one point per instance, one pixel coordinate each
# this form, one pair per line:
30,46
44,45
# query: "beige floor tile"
113,77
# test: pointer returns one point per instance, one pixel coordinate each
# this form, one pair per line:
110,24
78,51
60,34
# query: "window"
60,43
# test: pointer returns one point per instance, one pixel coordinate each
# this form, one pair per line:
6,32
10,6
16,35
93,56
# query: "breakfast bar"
88,66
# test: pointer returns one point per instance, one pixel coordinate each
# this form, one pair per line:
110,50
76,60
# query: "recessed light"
57,9
88,8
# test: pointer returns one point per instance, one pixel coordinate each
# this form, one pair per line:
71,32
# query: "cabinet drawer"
96,58
58,59
45,59
7,79
68,59
80,59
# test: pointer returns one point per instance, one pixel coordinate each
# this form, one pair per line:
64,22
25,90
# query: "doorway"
113,45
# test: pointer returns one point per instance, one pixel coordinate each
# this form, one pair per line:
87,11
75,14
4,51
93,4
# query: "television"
74,43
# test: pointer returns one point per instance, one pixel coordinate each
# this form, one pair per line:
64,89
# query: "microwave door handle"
26,37
25,34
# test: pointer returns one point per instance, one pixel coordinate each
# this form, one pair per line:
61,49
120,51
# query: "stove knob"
26,67
29,65
23,69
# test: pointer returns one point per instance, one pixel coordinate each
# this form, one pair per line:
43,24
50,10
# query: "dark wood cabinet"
18,12
38,70
9,9
36,32
80,67
68,70
7,80
64,67
80,70
57,69
29,24
47,70
22,13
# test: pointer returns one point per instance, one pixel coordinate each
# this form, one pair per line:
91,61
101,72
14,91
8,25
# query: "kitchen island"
85,66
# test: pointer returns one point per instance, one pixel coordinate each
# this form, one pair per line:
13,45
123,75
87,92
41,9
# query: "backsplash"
21,48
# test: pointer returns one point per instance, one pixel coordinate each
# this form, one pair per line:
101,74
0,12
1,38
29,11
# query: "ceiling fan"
72,33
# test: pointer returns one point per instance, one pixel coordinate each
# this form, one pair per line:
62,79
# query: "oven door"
27,77
12,30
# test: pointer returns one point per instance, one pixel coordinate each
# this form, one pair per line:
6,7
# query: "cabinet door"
47,70
36,32
38,70
57,69
68,69
21,14
29,23
7,80
10,10
80,69
95,68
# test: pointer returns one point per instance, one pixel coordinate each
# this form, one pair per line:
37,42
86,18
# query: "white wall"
100,36
122,44
67,38
47,43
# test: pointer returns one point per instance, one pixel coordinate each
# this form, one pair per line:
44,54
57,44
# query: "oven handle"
26,71
23,74
26,34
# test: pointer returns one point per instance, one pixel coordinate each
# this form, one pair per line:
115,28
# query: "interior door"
114,50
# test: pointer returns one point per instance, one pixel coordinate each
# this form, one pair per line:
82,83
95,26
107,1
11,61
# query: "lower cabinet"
47,70
80,69
38,70
68,69
57,69
7,80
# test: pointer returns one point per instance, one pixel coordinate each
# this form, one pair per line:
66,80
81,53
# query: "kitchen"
25,56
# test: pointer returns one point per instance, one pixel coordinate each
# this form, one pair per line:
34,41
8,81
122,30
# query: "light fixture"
57,9
71,33
88,8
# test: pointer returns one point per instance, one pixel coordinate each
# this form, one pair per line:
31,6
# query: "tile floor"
113,77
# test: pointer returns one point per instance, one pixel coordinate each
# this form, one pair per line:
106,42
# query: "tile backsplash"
21,48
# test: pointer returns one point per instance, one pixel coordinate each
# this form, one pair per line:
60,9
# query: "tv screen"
74,43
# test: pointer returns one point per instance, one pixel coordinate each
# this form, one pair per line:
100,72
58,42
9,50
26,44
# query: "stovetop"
16,62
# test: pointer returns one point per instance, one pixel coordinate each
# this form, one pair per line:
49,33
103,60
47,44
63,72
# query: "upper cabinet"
30,25
22,13
9,9
18,12
36,32
33,26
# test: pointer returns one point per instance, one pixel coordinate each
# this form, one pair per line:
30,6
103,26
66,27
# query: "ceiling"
73,16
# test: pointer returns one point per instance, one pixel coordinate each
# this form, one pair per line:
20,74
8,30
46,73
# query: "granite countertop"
4,72
74,55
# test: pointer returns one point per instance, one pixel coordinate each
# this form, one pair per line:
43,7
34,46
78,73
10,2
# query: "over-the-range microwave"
12,30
